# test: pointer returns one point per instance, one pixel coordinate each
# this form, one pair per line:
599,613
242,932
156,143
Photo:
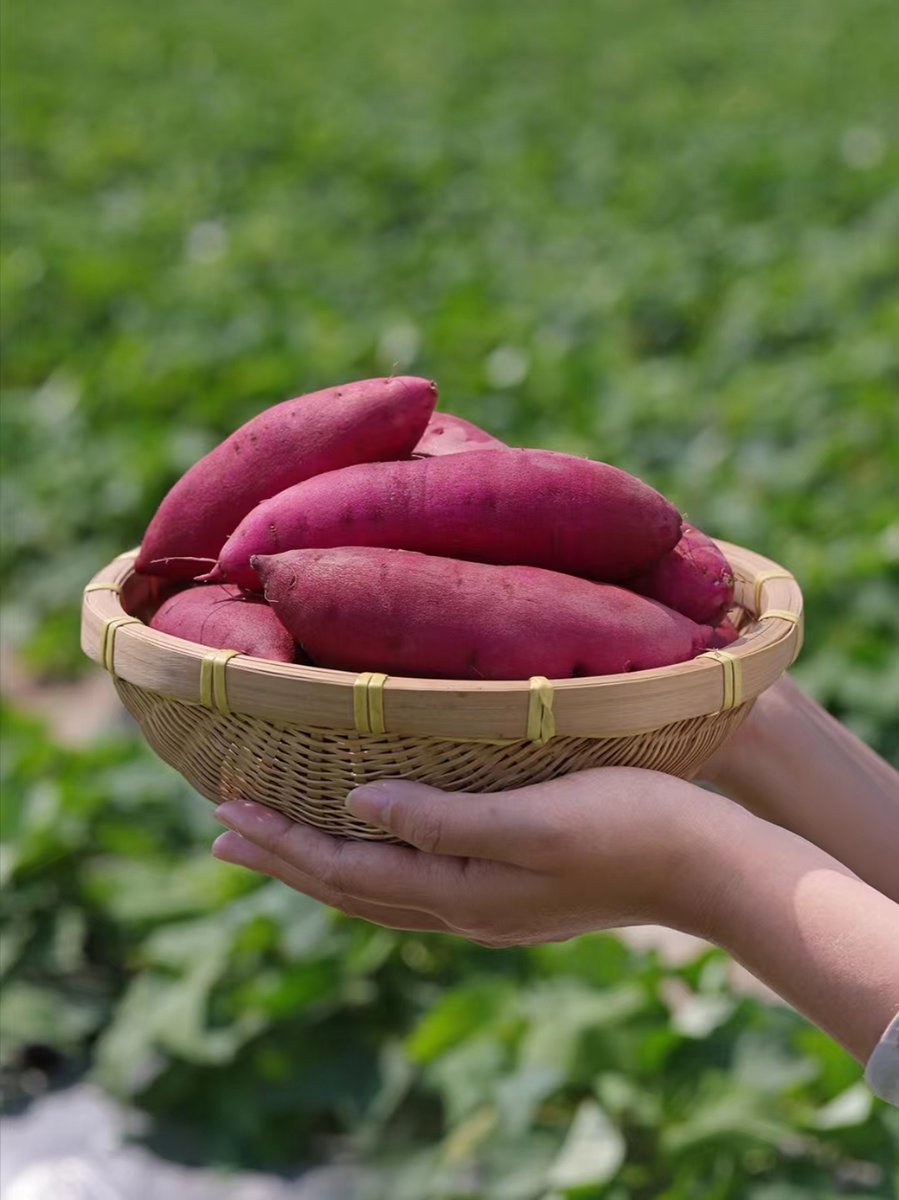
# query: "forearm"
824,940
797,767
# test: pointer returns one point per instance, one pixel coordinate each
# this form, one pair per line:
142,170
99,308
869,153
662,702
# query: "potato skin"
226,618
694,579
519,507
448,434
403,613
723,635
371,419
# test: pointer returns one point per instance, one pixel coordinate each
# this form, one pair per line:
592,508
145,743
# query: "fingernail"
223,845
238,814
371,802
230,847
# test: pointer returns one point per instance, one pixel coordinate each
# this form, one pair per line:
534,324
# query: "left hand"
593,850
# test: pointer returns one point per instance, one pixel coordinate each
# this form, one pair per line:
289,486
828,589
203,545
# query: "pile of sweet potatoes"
356,528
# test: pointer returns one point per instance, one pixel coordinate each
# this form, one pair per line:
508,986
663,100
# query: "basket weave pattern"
284,735
306,773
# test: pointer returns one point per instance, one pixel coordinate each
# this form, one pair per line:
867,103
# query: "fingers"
370,871
509,827
484,901
232,848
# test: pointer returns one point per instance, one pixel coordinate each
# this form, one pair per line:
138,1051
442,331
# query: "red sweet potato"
723,635
694,578
446,434
227,619
523,507
359,422
365,609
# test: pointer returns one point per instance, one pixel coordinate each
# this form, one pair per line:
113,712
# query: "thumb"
438,822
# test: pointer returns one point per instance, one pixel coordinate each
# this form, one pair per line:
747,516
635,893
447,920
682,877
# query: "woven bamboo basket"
299,738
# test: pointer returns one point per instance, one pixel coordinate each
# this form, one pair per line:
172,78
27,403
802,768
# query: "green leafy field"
666,235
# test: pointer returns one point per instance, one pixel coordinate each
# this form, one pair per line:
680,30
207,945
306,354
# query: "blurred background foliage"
666,235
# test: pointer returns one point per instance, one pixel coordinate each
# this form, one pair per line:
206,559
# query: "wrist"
648,859
740,849
693,851
740,862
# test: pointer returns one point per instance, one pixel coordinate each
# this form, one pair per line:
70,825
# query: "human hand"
774,709
593,850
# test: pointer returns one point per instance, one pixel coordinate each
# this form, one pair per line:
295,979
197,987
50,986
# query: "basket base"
306,773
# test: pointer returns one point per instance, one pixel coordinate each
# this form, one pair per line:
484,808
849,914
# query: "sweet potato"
524,507
723,635
359,422
446,434
224,617
365,609
694,578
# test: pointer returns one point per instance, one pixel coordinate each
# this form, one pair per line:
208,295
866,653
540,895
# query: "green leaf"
160,1013
765,1064
592,1152
464,1139
419,1177
790,1191
624,1098
851,1107
836,1070
515,1168
181,1022
45,1016
698,1015
600,959
460,1011
68,945
13,940
560,1014
467,1074
269,915
368,950
132,890
519,1095
727,1114
396,1079
178,946
126,1057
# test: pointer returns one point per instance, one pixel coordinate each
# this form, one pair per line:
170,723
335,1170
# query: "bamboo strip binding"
213,684
732,678
298,738
368,702
541,726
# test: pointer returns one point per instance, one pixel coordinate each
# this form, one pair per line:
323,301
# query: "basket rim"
598,706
